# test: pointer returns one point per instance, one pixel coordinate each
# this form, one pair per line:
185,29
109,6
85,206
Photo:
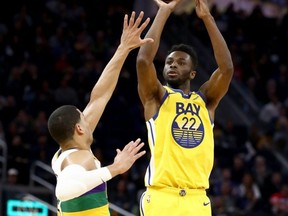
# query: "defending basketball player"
180,122
81,182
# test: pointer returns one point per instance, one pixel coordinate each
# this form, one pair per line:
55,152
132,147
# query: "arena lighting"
26,208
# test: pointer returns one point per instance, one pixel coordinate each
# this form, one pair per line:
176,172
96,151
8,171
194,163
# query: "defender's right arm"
79,173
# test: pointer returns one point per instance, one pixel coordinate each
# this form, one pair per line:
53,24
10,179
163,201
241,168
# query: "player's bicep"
75,180
216,87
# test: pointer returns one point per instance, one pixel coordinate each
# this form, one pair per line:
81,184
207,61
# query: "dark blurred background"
53,51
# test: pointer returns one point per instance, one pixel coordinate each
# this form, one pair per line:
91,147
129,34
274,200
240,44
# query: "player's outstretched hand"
130,153
171,4
131,35
202,8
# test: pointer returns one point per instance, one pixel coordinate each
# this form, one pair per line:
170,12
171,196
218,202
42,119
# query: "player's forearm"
109,77
148,51
221,51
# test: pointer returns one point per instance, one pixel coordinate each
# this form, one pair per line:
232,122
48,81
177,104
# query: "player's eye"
169,62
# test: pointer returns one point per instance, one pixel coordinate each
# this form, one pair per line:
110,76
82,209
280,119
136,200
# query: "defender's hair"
62,121
187,49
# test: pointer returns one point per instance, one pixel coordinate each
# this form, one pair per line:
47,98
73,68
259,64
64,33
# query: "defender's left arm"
104,87
217,86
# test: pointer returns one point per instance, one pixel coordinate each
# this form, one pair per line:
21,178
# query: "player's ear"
79,129
192,74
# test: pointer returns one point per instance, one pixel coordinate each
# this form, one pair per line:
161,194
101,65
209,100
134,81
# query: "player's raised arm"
217,86
150,89
103,89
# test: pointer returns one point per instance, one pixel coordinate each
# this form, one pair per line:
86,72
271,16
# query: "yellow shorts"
176,202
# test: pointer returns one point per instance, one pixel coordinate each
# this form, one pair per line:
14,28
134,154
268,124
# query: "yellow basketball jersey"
181,142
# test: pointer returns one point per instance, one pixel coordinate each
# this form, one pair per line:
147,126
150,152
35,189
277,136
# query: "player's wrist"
166,9
115,169
123,49
207,17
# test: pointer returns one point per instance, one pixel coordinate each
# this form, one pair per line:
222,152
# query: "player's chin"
173,83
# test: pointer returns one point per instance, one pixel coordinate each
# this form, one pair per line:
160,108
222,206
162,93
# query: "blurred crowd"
53,51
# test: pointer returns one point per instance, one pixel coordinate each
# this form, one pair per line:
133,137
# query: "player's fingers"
140,154
137,141
144,24
139,19
137,148
127,146
133,145
125,22
132,18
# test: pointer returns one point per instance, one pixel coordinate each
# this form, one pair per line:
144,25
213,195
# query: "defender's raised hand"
131,35
126,158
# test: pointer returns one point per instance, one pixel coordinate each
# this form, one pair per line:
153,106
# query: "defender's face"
178,68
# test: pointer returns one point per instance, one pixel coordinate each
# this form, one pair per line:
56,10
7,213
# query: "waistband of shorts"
178,191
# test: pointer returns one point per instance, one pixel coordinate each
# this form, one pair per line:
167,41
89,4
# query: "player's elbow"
227,69
230,67
143,61
63,196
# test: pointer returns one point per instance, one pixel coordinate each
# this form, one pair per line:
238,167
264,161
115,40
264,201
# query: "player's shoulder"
80,154
84,158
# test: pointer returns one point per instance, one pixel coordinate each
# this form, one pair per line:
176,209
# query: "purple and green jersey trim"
95,198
